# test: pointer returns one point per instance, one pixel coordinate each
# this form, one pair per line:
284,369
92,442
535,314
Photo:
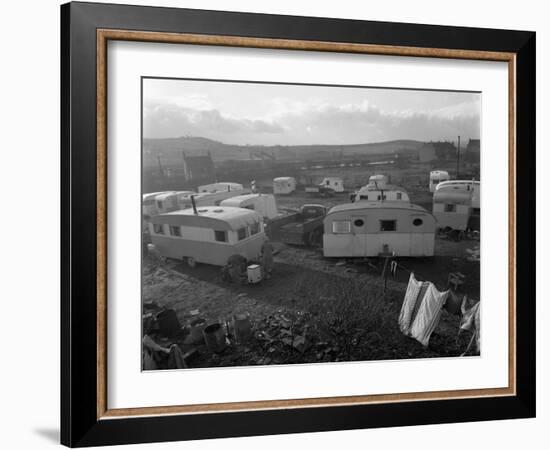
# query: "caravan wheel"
191,262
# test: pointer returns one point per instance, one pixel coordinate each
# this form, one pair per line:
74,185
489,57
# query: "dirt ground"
297,315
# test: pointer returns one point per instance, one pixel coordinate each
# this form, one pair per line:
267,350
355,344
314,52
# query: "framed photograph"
275,224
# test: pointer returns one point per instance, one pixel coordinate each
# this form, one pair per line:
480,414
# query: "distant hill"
171,149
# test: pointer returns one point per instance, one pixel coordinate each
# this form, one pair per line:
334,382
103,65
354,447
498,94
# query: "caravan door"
419,242
359,232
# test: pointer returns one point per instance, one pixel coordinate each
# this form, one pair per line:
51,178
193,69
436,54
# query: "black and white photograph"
300,224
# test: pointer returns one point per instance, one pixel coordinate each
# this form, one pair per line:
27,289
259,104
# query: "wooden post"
458,159
385,273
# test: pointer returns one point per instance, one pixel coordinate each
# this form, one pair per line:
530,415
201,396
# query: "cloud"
171,120
365,122
313,122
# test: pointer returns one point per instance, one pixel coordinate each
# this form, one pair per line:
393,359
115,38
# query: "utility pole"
458,158
184,165
161,171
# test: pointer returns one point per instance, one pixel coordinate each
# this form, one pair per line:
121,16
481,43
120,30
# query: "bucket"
242,327
196,327
214,336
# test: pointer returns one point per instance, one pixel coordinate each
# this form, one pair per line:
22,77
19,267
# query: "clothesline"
417,274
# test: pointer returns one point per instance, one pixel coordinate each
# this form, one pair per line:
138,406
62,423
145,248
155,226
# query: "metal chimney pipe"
194,205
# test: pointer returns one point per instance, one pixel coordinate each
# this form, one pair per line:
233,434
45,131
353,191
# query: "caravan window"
241,233
399,196
175,231
158,228
388,225
254,228
159,204
450,208
220,235
341,226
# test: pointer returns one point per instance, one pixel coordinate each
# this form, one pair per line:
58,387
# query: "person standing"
267,259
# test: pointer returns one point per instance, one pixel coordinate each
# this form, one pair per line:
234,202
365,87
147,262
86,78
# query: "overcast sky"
275,114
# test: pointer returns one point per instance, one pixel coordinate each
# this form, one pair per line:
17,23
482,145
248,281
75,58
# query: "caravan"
452,209
436,177
209,235
166,202
221,187
334,183
284,185
366,229
464,185
264,204
209,198
389,194
148,204
378,181
183,196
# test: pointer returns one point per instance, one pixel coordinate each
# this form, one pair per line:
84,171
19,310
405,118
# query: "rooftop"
241,198
221,186
232,217
164,195
386,188
451,182
151,195
376,205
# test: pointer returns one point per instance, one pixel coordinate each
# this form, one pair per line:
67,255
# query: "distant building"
444,150
472,150
474,145
198,167
426,153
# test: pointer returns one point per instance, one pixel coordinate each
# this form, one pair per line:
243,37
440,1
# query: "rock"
287,341
299,343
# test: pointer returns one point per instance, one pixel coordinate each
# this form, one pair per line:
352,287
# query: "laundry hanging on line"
471,321
421,309
454,303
